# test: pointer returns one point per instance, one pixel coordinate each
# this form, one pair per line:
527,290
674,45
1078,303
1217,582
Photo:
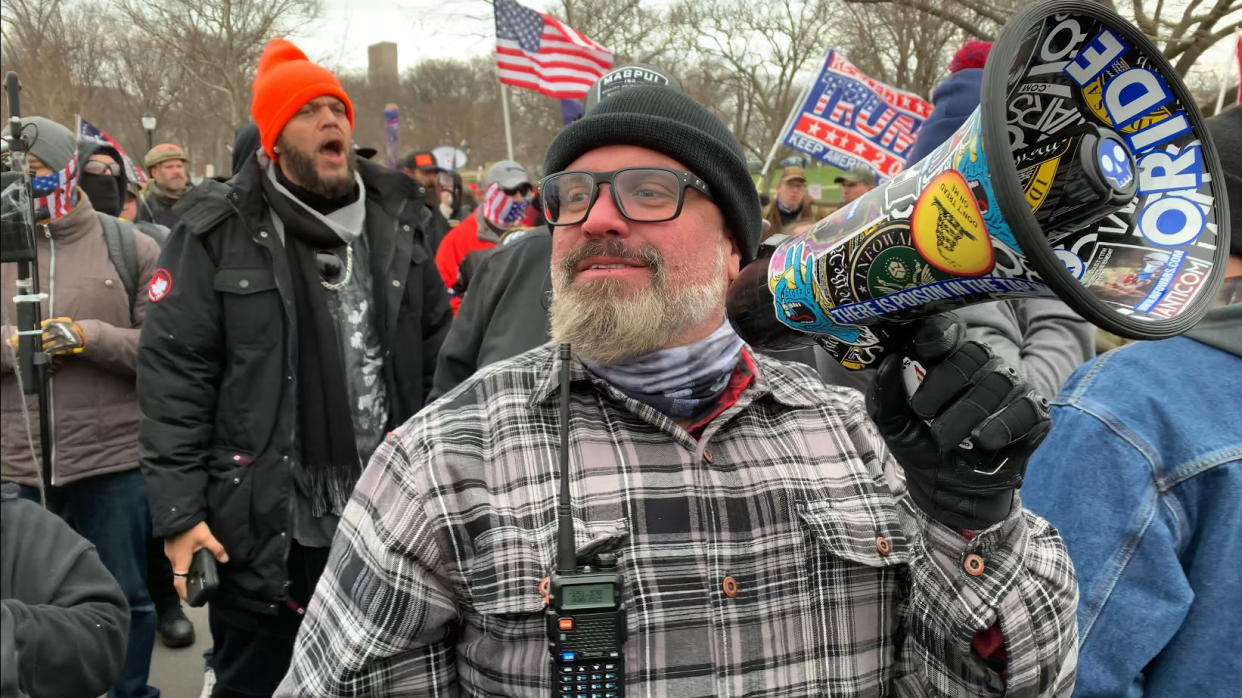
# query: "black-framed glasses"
642,194
98,167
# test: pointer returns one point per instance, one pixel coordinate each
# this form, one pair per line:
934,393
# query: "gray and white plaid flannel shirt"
432,587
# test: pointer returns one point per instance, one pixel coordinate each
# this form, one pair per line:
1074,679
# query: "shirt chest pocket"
250,306
857,555
862,530
510,565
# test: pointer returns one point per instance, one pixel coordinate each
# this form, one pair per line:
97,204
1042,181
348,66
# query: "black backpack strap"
123,251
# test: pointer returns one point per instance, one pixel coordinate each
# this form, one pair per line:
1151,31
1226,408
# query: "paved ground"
179,673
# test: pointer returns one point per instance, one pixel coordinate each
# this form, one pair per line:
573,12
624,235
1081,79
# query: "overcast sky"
421,28
464,28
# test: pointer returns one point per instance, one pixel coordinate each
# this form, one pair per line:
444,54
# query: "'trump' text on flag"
847,119
537,52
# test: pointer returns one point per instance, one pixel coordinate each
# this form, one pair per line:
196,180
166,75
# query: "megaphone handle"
912,374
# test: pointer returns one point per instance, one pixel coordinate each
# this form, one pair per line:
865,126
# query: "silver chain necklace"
349,271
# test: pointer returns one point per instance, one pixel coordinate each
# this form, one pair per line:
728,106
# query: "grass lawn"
830,193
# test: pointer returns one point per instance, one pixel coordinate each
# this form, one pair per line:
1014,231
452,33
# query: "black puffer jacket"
217,363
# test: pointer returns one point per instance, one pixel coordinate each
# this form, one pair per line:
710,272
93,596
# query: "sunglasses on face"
96,167
642,194
521,190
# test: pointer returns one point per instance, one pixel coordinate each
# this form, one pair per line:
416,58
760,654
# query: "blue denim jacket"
1142,474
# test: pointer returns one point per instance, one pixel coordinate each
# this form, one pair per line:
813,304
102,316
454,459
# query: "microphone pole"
19,247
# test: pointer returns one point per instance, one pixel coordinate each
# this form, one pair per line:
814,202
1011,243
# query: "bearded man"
169,183
296,320
766,539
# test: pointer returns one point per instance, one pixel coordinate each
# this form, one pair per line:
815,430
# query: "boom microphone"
1086,173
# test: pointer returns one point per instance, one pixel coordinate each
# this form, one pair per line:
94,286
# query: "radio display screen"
586,595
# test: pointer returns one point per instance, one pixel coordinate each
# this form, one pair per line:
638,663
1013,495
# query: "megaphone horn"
1086,173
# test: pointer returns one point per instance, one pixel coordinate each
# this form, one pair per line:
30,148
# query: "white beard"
606,322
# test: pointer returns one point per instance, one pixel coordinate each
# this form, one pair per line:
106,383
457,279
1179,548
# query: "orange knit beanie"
284,81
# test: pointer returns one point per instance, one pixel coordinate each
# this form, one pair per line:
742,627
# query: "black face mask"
104,191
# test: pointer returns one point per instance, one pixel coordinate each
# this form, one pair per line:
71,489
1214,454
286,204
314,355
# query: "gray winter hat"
507,173
669,122
620,78
54,144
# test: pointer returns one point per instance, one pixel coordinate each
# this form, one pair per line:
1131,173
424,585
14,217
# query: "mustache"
610,247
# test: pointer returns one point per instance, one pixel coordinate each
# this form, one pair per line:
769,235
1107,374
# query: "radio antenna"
566,551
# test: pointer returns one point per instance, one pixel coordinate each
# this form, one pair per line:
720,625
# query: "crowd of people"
342,380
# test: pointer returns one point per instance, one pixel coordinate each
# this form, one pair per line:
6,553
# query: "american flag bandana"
133,172
54,192
502,210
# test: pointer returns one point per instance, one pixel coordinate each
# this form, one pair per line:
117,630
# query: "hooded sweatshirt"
1221,329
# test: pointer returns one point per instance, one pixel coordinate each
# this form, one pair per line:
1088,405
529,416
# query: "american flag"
501,209
537,52
60,188
132,172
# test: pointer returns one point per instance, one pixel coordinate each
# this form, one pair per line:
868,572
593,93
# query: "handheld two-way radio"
585,614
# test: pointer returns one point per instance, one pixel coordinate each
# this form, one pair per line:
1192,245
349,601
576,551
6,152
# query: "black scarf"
329,453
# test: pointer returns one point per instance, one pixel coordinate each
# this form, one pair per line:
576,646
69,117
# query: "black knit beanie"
1226,130
671,123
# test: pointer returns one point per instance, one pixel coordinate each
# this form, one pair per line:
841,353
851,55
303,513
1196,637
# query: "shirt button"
974,565
244,283
108,283
262,233
729,584
882,546
707,456
406,228
396,283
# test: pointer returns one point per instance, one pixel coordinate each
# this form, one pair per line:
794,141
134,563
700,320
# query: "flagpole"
780,136
1228,72
504,104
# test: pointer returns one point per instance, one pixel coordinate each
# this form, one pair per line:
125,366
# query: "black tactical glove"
965,435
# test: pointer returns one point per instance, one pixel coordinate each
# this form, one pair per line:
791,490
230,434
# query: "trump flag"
848,120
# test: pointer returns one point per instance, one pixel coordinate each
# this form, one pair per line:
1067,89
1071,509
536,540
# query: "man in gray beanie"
92,336
750,520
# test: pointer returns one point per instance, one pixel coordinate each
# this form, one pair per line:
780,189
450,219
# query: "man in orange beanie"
295,322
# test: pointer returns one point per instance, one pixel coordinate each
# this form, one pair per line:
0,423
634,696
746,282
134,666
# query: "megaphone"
1086,173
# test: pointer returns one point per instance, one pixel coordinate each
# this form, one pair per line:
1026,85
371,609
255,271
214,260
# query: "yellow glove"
63,336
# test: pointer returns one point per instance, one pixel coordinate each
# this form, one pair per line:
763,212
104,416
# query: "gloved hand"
62,336
965,435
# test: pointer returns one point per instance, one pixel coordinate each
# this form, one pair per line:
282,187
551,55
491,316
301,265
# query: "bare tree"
979,19
757,54
59,52
1186,32
898,47
1183,30
633,33
217,42
150,76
